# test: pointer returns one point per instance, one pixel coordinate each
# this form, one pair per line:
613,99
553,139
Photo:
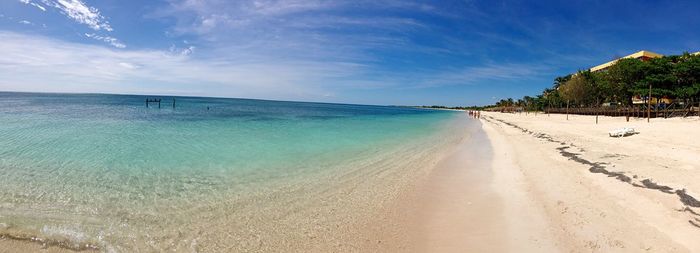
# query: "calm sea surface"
107,172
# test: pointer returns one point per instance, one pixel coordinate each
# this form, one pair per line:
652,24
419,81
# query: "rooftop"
638,55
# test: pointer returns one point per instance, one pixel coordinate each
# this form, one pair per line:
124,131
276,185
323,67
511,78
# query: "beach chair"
622,132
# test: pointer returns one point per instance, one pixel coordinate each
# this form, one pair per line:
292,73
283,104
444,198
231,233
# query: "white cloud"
182,51
277,7
128,65
38,6
37,63
42,8
291,29
80,12
275,49
210,17
112,41
25,22
83,14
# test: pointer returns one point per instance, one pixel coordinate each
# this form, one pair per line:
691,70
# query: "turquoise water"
107,172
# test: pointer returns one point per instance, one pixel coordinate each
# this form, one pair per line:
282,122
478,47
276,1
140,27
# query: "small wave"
51,236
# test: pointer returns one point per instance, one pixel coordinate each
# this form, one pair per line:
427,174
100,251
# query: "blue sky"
367,52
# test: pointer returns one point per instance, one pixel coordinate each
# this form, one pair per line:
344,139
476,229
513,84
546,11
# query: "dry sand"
588,192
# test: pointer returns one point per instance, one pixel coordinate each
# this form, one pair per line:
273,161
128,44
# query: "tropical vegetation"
674,77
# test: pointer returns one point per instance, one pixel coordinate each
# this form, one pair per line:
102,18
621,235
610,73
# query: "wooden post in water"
173,103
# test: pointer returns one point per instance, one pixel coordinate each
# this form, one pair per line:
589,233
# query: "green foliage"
620,78
671,76
687,74
582,89
675,76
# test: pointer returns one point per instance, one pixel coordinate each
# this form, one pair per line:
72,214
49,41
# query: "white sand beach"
566,186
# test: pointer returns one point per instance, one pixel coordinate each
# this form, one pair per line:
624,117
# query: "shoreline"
464,204
335,210
456,209
530,183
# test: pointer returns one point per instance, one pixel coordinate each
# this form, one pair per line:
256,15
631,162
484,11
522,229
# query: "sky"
394,52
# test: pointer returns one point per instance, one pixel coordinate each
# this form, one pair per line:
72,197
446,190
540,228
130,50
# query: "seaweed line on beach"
599,167
695,223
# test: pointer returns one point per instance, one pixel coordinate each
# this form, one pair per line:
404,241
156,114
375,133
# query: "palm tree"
559,81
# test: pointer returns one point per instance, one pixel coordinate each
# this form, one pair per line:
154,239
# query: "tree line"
472,108
675,77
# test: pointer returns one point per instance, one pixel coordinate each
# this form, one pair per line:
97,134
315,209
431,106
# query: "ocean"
106,172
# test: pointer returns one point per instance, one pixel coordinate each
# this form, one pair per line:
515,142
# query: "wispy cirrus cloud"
112,41
42,8
310,30
182,51
81,13
206,16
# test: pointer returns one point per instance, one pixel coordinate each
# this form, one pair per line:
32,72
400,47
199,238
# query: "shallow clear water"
106,171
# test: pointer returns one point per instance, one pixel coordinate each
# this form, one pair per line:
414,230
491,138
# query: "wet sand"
457,210
15,246
472,201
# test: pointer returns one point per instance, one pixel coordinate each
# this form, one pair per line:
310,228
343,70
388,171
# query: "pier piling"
148,101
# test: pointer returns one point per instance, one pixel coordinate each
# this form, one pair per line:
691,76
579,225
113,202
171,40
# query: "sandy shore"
473,200
582,191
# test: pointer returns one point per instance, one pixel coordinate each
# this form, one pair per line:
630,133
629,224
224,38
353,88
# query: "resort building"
641,55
